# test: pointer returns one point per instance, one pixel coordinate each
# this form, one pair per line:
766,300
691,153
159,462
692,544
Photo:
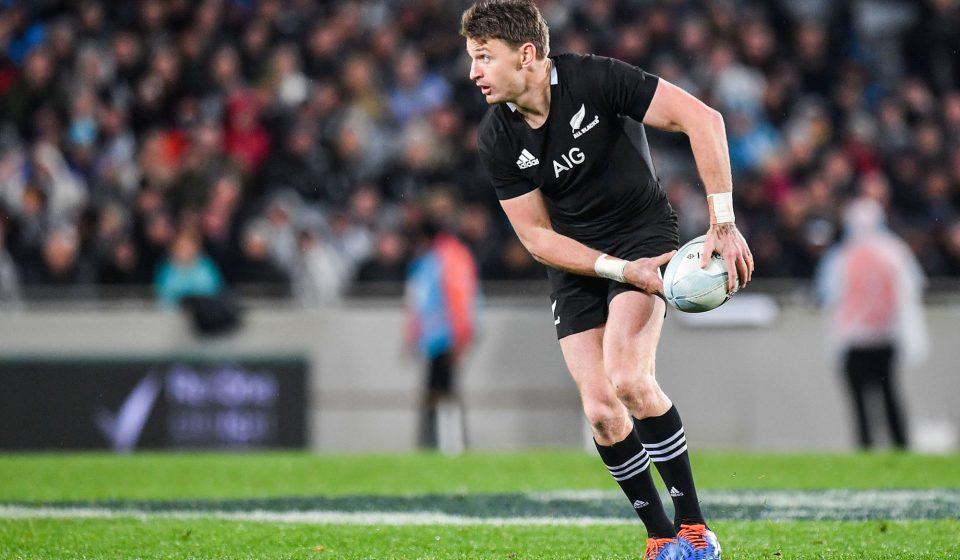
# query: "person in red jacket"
442,296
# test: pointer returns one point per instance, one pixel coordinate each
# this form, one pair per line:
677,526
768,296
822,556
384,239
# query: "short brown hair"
514,22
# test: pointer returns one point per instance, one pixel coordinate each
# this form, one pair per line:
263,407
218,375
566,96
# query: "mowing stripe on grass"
526,508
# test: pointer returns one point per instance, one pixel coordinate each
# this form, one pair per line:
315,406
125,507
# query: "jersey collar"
554,80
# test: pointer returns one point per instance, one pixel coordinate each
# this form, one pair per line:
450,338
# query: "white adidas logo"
527,160
674,493
640,504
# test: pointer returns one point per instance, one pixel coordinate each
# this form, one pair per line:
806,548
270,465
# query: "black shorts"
581,303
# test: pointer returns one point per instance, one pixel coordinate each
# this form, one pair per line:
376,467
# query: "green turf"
63,477
51,477
179,538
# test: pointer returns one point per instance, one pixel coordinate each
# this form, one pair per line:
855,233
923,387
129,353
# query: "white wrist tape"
722,207
610,267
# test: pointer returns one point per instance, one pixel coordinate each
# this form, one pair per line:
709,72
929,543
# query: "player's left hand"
645,273
727,241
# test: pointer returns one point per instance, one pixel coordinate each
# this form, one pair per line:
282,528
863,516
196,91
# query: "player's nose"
474,71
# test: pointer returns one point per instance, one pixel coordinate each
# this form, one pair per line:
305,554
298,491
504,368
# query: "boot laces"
696,535
654,546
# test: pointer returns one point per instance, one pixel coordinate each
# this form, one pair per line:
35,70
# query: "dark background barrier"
153,403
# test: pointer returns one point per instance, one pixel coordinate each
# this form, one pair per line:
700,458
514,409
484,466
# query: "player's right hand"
645,273
728,242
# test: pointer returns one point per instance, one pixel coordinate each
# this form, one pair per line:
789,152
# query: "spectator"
281,228
61,263
120,264
290,85
219,223
323,50
66,191
186,272
25,33
416,91
319,276
362,88
301,165
256,266
34,90
389,261
115,171
30,221
246,140
225,75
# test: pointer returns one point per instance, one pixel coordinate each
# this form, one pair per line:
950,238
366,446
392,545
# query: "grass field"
517,505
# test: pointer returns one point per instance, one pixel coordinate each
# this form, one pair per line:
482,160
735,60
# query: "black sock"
664,440
629,465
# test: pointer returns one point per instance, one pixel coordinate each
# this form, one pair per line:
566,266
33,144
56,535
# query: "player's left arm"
676,110
529,217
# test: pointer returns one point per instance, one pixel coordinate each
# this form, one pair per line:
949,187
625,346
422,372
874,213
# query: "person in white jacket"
872,285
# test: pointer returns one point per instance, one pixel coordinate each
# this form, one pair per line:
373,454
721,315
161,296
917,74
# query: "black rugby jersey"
590,158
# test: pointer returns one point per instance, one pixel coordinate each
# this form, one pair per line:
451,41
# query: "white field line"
309,517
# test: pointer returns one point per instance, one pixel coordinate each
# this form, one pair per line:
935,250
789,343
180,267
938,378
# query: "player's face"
495,69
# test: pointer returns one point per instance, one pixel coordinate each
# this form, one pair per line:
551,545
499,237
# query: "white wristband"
722,207
610,267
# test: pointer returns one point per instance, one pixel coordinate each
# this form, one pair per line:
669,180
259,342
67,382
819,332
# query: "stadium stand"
302,141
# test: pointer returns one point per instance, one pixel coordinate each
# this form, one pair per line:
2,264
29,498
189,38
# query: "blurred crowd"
195,146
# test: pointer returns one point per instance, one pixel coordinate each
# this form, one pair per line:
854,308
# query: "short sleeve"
502,171
627,89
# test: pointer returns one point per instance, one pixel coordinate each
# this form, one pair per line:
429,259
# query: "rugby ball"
690,288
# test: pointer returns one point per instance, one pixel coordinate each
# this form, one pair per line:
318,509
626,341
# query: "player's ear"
528,54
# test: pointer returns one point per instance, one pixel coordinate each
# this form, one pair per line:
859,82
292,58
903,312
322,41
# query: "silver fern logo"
577,120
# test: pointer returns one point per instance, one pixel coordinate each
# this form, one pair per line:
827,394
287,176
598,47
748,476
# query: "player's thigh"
632,334
583,354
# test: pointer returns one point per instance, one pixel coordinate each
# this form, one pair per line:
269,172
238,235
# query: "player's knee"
606,419
637,392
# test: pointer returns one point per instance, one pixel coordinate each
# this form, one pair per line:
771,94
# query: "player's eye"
485,58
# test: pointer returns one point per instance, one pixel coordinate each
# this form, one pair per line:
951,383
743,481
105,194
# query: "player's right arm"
528,216
655,102
677,111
